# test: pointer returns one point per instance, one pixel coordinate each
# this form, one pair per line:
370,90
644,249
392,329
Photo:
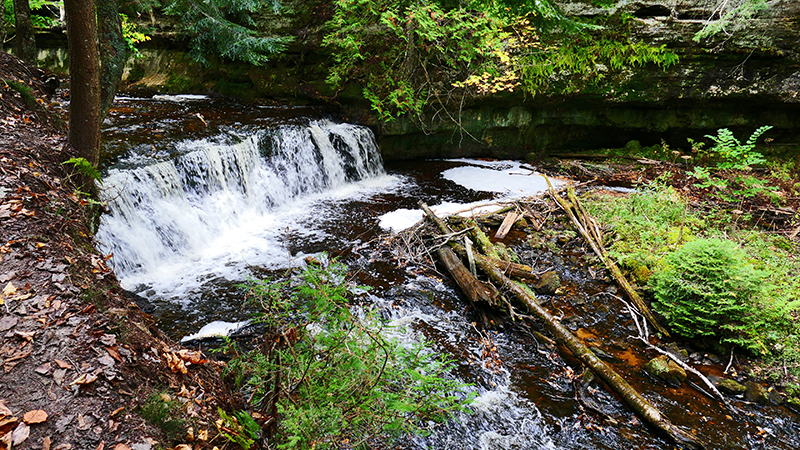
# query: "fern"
85,168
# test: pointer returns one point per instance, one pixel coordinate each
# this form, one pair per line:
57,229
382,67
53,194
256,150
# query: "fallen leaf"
46,443
62,364
116,411
114,353
86,378
9,290
35,416
4,411
20,434
121,446
192,356
183,447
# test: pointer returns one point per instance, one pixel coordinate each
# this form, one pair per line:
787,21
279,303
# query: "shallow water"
205,193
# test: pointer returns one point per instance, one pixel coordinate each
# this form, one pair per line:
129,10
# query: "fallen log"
474,289
573,208
563,336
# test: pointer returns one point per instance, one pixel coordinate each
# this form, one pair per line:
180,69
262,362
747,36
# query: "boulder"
666,369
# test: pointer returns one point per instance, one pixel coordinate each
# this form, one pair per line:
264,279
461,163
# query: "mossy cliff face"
742,81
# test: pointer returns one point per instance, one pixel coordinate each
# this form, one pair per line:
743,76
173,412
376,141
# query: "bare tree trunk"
2,25
25,39
84,83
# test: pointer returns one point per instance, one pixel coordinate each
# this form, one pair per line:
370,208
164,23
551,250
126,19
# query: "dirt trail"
77,357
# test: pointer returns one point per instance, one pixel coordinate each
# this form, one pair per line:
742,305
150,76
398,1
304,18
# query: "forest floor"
81,364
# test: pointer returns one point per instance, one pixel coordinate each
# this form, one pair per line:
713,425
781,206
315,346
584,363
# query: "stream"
204,193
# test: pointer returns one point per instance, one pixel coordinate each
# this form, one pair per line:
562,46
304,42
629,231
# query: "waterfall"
224,197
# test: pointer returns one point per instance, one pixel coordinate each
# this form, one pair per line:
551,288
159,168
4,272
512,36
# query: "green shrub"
708,288
331,375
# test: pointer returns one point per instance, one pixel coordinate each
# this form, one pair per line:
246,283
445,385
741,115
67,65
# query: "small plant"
85,168
161,411
707,288
732,154
240,428
330,376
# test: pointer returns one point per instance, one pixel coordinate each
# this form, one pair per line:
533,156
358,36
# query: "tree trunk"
25,39
84,80
2,24
113,52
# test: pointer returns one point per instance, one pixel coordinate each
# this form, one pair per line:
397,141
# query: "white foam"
217,328
508,179
180,98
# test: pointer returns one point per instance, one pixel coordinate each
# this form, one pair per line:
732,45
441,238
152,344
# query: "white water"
220,207
509,180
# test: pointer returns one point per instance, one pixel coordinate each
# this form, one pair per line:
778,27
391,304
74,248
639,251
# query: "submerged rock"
664,368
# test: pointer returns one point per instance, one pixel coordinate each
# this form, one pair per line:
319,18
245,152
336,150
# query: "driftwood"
564,337
505,227
475,291
587,227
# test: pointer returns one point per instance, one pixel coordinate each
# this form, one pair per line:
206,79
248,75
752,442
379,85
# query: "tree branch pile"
493,293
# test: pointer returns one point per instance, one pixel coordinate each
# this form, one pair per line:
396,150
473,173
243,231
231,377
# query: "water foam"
223,205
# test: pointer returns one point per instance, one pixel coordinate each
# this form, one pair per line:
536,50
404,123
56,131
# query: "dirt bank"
80,362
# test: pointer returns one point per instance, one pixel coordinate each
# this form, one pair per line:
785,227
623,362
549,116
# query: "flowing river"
205,193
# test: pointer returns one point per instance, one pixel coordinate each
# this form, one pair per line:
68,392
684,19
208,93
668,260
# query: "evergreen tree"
225,28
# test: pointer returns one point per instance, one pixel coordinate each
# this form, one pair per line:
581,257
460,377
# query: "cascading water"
223,204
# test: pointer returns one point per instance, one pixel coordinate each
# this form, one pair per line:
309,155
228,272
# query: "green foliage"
225,28
586,60
240,428
38,20
161,411
331,375
413,54
729,16
708,288
409,53
133,34
647,223
729,153
85,168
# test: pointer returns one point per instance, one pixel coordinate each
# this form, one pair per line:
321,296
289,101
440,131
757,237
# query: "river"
204,193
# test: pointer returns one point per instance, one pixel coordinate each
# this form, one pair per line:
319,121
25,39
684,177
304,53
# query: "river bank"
80,360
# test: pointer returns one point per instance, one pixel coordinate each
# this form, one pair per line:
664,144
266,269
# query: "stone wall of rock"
742,78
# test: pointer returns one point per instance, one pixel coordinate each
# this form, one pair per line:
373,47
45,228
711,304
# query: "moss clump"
708,288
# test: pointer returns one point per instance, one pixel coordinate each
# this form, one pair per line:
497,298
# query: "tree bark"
84,82
113,52
2,24
25,39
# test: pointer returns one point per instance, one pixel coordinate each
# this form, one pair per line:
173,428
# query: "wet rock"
756,393
727,385
676,350
664,368
548,284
